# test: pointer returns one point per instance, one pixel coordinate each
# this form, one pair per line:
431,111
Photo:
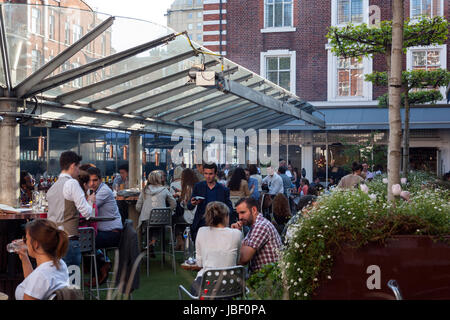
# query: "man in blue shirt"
210,191
108,232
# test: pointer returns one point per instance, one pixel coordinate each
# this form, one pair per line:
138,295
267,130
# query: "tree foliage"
363,40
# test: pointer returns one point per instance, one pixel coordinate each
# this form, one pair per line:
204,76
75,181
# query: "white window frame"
67,33
77,33
332,83
443,58
35,25
334,13
290,28
51,27
416,18
280,53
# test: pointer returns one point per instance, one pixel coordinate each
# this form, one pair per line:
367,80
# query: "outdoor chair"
87,248
160,218
67,293
219,283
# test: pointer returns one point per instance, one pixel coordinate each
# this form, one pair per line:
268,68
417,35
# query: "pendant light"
41,145
156,158
144,153
125,152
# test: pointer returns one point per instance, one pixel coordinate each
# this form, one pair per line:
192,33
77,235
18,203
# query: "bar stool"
87,248
160,218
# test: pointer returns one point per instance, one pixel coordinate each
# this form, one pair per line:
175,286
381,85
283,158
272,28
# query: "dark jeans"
73,255
105,239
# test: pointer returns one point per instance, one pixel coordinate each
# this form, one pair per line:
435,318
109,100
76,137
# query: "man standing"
118,181
108,232
262,243
274,182
287,183
353,179
66,201
209,191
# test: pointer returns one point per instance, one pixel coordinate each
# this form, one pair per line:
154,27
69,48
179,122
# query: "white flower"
364,188
396,189
297,245
315,279
295,283
373,196
385,180
403,180
329,256
305,294
329,277
299,279
301,271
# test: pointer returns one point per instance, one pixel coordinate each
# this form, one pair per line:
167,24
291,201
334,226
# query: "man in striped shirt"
262,243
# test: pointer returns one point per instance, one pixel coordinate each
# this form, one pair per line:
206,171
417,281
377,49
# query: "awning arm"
27,87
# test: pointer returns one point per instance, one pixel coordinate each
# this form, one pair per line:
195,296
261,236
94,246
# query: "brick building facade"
285,41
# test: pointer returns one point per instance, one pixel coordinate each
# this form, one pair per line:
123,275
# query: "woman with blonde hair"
47,244
154,195
216,245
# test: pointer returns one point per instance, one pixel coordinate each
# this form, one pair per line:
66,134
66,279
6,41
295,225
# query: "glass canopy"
88,68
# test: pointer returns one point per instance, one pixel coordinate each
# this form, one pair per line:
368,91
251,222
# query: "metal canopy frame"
155,98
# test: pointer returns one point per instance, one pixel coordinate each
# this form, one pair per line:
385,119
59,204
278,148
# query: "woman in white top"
216,245
47,244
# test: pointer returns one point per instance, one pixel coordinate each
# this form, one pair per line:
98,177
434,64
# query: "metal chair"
87,248
392,284
219,283
160,218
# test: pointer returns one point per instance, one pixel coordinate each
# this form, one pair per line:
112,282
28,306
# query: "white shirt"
289,173
259,178
275,184
43,281
72,191
217,247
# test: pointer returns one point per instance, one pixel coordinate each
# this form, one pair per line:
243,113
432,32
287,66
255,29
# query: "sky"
152,10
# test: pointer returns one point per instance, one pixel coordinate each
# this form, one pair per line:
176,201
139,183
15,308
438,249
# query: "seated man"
274,182
262,242
109,232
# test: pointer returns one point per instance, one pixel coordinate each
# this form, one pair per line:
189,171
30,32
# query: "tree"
415,79
390,38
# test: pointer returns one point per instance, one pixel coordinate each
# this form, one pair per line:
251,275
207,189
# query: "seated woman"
281,212
238,184
47,244
216,245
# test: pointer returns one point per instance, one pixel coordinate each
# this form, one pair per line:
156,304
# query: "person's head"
270,171
26,180
44,238
188,180
86,166
247,209
356,168
282,163
280,206
123,171
95,178
290,167
69,162
312,191
200,167
221,175
177,173
209,172
155,178
304,182
217,213
83,180
332,180
253,169
365,167
316,180
235,181
247,173
282,170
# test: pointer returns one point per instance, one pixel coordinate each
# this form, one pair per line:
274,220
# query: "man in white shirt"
274,182
66,201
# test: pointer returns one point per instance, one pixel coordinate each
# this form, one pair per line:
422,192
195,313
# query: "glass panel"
419,58
356,82
269,15
426,8
272,63
343,63
288,15
357,11
415,8
356,62
285,63
343,11
273,76
433,58
278,14
285,80
343,83
437,10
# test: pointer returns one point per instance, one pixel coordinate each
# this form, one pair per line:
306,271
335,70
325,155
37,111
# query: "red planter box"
420,266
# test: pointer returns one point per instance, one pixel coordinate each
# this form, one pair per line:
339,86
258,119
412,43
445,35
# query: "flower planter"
420,266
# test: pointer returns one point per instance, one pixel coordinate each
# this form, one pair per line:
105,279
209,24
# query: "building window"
199,26
349,11
199,14
278,66
428,8
350,77
199,2
190,26
103,45
189,16
199,37
77,32
278,13
36,60
78,82
67,33
35,20
51,27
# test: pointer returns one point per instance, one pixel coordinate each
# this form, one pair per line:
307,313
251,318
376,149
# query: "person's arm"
26,263
140,201
171,200
101,197
190,206
198,249
246,190
246,254
73,192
